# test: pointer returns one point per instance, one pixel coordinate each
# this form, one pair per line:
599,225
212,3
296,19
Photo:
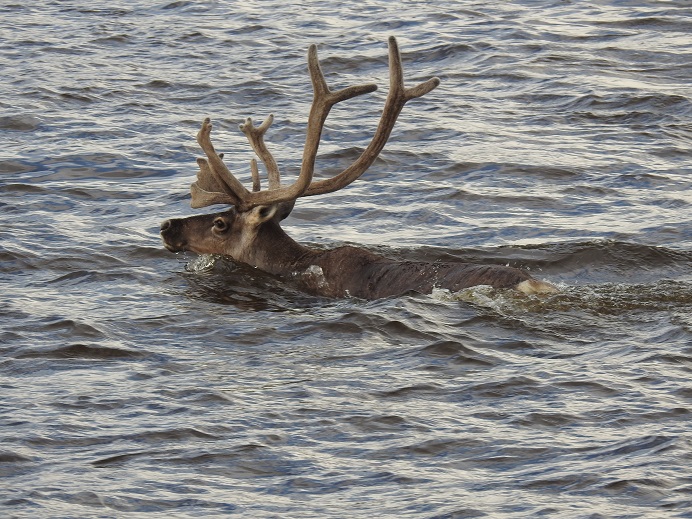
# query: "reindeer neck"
278,253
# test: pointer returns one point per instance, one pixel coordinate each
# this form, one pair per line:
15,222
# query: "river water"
139,383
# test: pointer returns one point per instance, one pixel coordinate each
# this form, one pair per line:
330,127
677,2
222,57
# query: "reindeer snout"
171,236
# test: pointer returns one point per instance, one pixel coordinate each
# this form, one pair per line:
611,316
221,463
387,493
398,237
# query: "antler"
396,99
217,185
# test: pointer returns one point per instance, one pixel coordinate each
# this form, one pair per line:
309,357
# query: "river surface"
139,383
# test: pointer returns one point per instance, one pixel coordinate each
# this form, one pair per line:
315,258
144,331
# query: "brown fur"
256,238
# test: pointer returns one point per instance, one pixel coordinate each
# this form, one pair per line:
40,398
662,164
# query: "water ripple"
139,382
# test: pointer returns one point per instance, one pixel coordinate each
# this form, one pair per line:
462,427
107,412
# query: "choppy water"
137,383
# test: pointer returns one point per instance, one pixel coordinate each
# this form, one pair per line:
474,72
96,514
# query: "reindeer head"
248,230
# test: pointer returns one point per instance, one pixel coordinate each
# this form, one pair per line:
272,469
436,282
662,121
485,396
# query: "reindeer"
250,232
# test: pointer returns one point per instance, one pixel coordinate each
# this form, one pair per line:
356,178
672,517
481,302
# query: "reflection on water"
139,382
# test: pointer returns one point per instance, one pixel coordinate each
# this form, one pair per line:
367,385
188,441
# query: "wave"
81,351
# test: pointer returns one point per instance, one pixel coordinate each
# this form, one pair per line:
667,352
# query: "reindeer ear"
262,213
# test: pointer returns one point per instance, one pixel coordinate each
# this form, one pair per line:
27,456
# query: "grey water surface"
139,383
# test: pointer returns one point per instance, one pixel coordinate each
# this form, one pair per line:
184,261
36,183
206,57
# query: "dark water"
137,383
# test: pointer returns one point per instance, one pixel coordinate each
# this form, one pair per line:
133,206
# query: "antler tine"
255,135
256,184
397,97
218,170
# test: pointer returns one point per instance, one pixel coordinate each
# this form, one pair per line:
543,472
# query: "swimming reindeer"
250,232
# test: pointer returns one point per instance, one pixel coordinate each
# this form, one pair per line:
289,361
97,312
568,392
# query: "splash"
202,263
312,277
604,299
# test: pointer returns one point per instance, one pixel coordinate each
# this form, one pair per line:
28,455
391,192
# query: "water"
138,383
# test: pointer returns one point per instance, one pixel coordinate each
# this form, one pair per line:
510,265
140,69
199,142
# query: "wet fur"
256,238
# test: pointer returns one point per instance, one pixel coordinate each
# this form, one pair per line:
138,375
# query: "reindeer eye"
220,224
